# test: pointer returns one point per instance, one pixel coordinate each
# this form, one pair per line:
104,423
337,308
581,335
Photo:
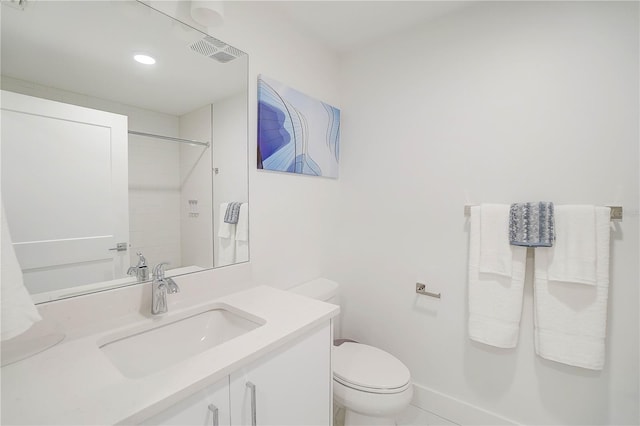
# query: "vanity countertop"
75,383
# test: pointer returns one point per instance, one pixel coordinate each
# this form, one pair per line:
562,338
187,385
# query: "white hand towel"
242,234
495,301
226,252
242,227
573,256
226,239
495,250
18,311
571,318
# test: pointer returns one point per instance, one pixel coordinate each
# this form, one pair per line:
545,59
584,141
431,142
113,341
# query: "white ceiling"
347,25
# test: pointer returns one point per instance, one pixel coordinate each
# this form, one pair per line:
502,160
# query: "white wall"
499,102
196,245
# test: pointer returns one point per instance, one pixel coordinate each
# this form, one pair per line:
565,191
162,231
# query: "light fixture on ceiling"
208,13
144,59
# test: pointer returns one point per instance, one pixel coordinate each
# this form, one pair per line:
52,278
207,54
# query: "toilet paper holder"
421,289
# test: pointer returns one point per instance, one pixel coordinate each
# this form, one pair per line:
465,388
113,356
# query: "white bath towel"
226,239
571,318
495,250
495,301
242,234
573,256
18,311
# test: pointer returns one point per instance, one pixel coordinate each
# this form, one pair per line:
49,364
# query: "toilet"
371,385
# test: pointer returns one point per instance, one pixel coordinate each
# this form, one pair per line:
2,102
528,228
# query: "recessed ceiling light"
145,59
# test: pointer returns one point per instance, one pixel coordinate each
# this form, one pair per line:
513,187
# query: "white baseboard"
453,409
414,416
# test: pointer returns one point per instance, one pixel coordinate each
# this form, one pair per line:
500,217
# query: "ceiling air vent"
215,49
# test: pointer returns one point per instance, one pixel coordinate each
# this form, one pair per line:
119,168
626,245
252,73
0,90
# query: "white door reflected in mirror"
64,185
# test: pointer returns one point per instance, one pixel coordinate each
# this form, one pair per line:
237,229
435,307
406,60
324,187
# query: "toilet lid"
367,367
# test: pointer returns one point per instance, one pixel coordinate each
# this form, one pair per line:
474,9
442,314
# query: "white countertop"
75,383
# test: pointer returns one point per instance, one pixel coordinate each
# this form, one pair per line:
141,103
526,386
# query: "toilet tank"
324,290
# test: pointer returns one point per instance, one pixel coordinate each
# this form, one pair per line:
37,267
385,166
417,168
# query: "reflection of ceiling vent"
216,49
18,4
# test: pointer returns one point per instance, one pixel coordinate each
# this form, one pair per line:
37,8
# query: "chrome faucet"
140,271
160,287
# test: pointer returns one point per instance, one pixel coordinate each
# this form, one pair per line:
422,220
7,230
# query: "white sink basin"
140,351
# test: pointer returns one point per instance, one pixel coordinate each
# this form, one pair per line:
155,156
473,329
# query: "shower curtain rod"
169,138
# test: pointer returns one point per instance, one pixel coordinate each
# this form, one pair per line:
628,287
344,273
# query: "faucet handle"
141,260
158,271
172,287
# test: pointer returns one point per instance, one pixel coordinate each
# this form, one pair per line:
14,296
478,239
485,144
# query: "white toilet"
370,384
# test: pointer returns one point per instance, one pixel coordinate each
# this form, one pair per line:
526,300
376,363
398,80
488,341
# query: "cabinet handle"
252,387
214,411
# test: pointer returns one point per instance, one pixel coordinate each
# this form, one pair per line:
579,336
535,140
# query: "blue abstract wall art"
296,133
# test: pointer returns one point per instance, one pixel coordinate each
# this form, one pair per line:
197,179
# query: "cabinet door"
195,410
292,385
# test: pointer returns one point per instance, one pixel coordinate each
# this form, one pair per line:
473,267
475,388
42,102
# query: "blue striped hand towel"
232,213
532,224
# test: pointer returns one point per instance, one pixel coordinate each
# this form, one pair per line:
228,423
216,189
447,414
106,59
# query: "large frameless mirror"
109,164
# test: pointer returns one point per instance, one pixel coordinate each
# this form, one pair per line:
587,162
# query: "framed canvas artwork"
296,133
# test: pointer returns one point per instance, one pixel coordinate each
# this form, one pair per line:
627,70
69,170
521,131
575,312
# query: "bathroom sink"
139,352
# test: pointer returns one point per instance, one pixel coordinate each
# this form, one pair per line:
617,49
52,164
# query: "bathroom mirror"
104,157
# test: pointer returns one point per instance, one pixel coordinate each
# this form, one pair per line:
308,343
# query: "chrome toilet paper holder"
421,289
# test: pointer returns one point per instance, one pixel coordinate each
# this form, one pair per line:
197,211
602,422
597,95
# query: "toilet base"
370,409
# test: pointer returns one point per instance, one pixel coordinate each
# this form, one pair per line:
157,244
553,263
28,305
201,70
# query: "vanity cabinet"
289,386
198,409
292,386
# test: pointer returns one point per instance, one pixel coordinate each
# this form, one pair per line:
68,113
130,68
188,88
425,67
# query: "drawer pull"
252,387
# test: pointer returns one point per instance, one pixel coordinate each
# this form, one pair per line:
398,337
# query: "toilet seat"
369,369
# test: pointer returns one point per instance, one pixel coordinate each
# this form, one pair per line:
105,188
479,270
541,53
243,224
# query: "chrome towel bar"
616,212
